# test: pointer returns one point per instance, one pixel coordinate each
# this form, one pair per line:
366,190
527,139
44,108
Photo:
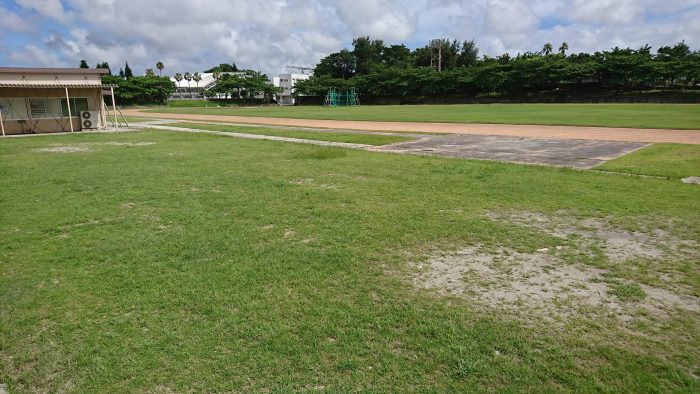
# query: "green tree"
83,64
468,55
127,71
188,78
445,50
150,73
178,78
547,49
563,48
196,77
160,66
104,65
337,65
223,67
141,90
396,56
367,53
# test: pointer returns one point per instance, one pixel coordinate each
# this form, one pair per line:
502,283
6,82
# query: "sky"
268,35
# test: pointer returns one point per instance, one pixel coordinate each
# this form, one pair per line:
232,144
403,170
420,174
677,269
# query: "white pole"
114,108
2,124
70,115
103,118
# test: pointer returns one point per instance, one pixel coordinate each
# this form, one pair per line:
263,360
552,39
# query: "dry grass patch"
580,274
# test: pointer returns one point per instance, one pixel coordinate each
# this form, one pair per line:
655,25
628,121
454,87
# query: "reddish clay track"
530,131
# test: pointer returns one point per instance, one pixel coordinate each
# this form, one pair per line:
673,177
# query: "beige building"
50,100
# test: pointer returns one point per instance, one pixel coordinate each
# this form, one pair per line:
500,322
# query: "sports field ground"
661,116
158,261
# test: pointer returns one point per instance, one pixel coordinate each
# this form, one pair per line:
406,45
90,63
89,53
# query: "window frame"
7,114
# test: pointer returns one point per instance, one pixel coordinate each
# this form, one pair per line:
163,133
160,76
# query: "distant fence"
398,100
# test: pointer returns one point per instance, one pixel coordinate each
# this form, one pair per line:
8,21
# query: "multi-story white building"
287,82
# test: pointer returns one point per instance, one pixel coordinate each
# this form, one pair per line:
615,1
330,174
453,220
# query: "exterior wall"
287,82
50,125
40,126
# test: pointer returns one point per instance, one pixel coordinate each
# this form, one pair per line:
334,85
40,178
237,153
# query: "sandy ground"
530,131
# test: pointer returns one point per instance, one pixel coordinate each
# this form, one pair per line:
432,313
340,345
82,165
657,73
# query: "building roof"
38,70
54,85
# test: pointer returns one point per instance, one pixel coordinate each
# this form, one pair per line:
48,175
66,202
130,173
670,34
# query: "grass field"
171,262
674,161
674,116
369,139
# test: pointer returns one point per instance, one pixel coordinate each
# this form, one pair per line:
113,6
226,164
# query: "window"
41,107
13,108
77,104
45,107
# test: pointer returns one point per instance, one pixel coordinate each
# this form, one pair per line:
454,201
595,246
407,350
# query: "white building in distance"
287,82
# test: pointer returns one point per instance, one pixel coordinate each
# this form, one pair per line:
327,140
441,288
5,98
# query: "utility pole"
436,59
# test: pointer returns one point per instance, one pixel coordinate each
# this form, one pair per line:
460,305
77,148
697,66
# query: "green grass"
212,264
674,116
355,138
665,160
627,292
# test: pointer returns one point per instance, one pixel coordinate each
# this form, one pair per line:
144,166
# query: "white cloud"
382,19
49,8
606,11
191,35
32,54
12,21
505,18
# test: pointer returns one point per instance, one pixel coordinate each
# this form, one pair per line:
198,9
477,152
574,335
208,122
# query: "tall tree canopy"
395,70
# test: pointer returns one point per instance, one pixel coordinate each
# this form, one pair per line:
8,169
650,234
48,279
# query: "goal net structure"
335,98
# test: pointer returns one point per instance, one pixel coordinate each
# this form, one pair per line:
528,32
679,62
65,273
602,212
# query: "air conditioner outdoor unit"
88,119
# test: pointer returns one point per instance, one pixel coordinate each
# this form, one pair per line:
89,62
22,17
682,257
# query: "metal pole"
114,108
2,124
70,115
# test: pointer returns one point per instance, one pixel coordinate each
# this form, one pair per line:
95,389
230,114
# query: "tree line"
231,83
130,89
452,68
241,85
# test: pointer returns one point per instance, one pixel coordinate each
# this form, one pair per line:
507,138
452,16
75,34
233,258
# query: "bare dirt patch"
540,282
591,269
64,149
592,234
310,182
86,147
692,179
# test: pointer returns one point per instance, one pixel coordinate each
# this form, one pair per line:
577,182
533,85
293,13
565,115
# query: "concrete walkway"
554,152
564,153
528,131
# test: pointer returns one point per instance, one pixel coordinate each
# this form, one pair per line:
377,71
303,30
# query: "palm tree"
563,48
160,66
188,77
197,77
178,78
547,49
216,75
